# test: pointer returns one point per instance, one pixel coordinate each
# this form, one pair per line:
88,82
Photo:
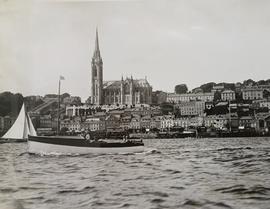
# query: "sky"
170,42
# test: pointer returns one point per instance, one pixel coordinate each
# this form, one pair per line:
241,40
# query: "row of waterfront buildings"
142,119
146,119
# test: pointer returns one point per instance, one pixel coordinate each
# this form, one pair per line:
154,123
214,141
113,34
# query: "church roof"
142,83
111,84
117,84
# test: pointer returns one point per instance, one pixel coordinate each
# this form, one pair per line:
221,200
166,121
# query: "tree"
32,103
166,108
266,94
238,97
180,89
177,113
217,110
249,82
63,131
207,87
262,82
197,90
64,95
10,104
229,86
217,96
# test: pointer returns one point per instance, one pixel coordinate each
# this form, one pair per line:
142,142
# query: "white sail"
26,131
21,128
17,130
32,130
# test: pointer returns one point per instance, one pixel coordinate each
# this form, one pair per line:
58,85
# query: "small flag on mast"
62,77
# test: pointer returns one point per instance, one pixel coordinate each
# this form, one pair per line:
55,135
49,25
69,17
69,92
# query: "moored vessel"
80,145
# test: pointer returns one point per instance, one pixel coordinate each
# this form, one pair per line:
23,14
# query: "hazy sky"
170,42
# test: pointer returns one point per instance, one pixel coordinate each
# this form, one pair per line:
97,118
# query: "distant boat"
21,128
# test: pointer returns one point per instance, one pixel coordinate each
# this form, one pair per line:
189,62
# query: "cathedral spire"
97,75
97,51
97,45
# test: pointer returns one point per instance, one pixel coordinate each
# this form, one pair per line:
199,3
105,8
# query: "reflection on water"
171,173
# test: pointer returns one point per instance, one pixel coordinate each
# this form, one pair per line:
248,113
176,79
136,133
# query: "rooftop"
117,83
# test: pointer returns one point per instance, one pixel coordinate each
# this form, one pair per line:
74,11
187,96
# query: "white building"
71,125
192,108
264,103
252,93
218,88
177,98
94,124
217,121
228,95
167,121
184,122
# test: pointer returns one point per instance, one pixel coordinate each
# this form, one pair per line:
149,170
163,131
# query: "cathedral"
125,91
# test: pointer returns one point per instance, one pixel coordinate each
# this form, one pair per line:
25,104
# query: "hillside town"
130,105
243,109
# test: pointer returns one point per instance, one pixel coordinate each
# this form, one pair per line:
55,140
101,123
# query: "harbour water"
171,173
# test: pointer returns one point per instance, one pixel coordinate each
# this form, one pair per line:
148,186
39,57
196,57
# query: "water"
172,173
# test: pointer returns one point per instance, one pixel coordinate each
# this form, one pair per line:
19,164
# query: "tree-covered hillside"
10,104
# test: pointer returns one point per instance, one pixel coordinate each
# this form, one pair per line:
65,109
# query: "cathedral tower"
97,76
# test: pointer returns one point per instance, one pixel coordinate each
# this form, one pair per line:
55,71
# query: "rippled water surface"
172,173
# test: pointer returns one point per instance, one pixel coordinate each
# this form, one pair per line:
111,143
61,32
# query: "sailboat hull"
68,145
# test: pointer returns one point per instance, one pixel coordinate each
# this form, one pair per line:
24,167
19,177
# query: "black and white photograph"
134,104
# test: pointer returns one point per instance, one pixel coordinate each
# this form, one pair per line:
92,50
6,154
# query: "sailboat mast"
58,109
230,120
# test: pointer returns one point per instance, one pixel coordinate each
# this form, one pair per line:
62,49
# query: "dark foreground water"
172,173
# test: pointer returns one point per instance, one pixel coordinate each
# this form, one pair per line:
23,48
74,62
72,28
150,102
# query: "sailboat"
21,128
